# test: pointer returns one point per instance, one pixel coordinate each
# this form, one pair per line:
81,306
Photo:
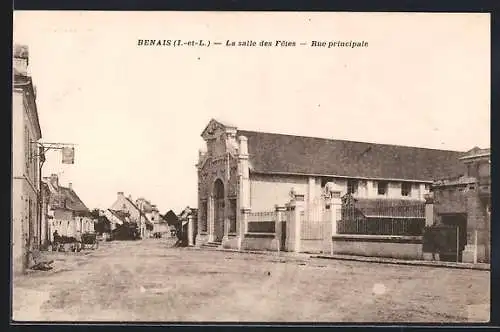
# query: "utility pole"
43,148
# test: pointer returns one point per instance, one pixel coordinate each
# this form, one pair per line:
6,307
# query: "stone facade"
25,163
220,172
468,198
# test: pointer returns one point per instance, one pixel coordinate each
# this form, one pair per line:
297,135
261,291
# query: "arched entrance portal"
218,210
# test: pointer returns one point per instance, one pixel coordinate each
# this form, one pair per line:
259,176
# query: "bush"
127,231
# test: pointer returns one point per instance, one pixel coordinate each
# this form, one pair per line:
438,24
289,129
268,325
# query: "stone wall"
378,246
259,242
464,198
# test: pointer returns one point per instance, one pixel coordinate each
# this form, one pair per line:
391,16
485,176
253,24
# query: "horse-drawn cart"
90,240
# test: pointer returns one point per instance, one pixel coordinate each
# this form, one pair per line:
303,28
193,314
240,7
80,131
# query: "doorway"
458,220
219,206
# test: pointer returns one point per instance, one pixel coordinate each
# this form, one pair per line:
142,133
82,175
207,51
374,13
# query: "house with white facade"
26,132
137,212
67,214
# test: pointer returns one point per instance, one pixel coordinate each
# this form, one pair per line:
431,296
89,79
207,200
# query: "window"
382,187
405,189
470,170
484,170
352,186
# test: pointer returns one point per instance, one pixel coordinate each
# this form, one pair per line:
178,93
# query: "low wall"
259,241
315,246
403,247
231,242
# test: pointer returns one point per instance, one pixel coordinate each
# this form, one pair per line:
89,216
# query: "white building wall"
268,190
18,197
25,184
394,190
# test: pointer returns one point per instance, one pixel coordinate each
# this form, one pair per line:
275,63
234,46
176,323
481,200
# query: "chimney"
70,186
120,194
54,180
20,57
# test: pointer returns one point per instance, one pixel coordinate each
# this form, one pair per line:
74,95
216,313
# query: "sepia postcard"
250,167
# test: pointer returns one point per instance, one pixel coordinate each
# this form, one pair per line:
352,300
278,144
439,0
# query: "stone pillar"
226,219
310,197
278,219
244,173
296,206
478,223
335,214
190,231
202,213
429,210
210,218
243,226
421,191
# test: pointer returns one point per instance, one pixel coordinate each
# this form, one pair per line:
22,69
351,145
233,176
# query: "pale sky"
136,113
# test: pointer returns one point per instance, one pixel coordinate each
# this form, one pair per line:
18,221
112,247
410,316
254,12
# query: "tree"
102,223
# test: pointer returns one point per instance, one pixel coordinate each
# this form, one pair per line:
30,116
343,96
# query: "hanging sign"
68,155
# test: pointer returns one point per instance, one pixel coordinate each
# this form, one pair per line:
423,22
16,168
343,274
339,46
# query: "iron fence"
313,225
395,211
382,226
391,218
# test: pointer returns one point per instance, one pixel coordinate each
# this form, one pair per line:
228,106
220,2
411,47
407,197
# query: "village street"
149,280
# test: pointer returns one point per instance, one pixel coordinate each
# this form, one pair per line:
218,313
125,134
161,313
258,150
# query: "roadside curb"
255,252
466,266
379,260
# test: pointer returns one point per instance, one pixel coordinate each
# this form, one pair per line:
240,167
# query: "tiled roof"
122,216
171,218
66,198
137,208
287,154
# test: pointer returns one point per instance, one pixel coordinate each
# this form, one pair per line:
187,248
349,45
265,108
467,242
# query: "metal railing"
261,222
391,218
381,226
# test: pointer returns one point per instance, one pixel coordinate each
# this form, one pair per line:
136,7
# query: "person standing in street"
78,238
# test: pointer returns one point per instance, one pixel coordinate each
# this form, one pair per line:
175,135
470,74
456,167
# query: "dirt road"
150,281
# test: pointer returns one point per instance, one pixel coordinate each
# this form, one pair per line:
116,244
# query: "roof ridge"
350,141
137,208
